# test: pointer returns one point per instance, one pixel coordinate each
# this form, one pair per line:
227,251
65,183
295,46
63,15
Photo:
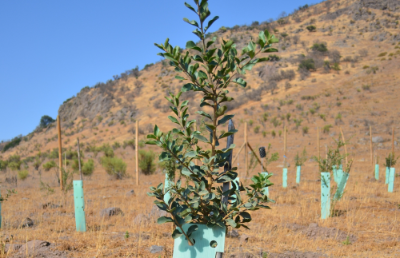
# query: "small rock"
377,139
113,211
233,233
156,249
313,225
130,193
27,223
141,219
24,198
11,248
244,239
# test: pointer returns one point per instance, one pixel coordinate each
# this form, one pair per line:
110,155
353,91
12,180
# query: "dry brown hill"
353,45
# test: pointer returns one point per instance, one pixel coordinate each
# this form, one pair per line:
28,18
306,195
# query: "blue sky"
50,50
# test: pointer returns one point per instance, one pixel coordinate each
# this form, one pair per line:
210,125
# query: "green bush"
13,165
49,165
114,166
327,128
305,129
257,129
14,142
88,168
130,143
45,121
311,28
146,162
3,165
23,174
108,151
54,154
116,145
307,64
319,47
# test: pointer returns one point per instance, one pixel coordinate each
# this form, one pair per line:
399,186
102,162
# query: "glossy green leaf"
164,219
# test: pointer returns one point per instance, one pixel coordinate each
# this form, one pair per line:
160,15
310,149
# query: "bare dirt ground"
365,226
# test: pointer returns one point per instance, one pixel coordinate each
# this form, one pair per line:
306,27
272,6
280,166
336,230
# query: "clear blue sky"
50,50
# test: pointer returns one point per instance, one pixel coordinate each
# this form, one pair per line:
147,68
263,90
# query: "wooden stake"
318,146
79,159
345,148
284,146
59,151
371,146
246,160
254,153
237,155
393,140
137,152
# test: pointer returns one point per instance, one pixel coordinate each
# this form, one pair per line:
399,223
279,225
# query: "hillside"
336,69
352,47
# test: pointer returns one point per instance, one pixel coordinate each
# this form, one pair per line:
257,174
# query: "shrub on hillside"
311,28
45,121
3,165
14,142
88,168
23,174
320,47
114,166
146,162
307,64
49,165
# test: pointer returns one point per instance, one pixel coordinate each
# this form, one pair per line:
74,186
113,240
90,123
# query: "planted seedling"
209,70
299,159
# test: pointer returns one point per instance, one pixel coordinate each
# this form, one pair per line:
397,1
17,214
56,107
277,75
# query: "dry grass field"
362,93
365,226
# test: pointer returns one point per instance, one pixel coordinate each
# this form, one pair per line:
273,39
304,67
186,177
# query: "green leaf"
231,222
240,81
190,7
151,142
201,138
210,22
204,114
194,23
173,119
191,154
212,127
192,229
187,87
230,132
225,119
179,77
192,45
177,233
270,50
221,110
162,220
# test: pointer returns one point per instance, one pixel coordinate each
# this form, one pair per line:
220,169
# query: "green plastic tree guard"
341,187
387,176
266,191
377,171
284,178
325,194
334,170
391,180
205,239
339,175
79,201
298,174
167,184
